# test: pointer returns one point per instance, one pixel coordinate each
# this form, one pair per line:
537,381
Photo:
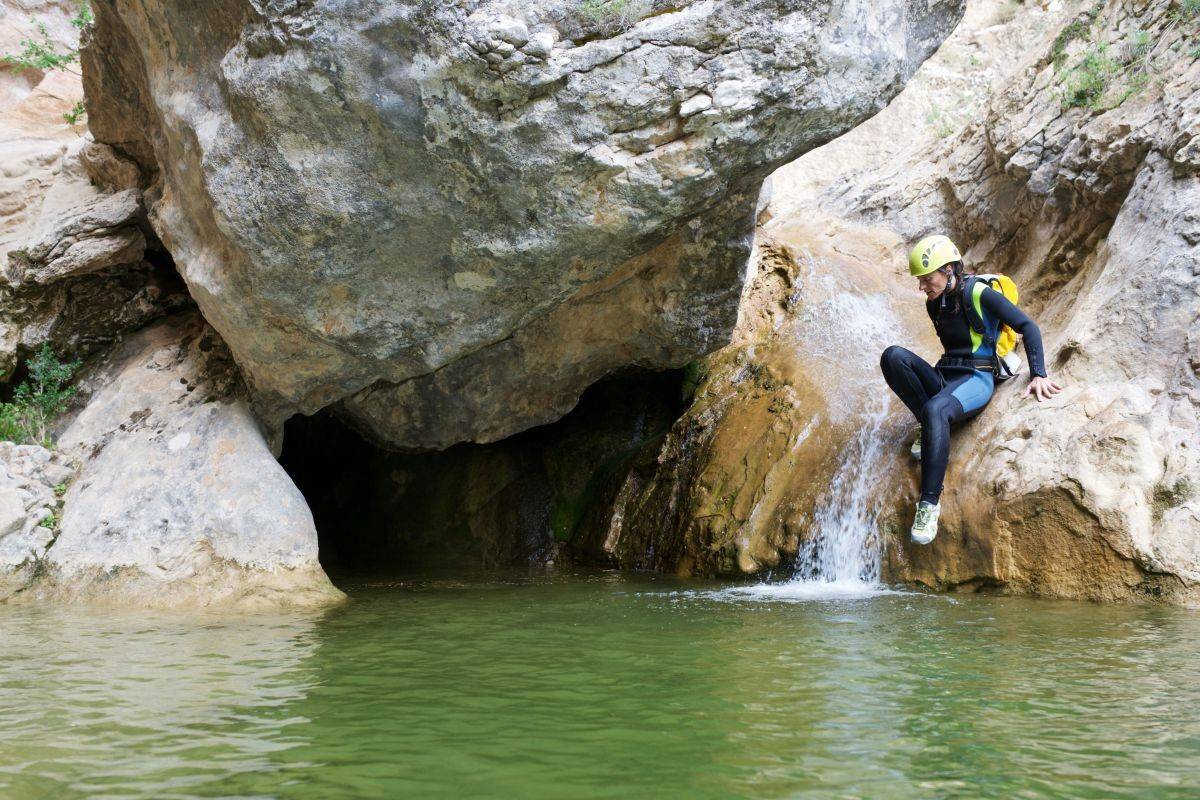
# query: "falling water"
843,553
845,548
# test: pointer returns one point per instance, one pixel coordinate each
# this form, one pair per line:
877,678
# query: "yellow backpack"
1006,337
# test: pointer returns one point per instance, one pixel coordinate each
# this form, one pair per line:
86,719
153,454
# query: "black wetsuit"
942,395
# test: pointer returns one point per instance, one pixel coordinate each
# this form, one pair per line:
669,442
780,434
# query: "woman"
961,383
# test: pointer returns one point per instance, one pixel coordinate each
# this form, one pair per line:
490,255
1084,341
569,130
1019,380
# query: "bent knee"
892,355
938,410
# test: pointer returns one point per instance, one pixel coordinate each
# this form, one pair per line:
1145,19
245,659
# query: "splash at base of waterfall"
805,591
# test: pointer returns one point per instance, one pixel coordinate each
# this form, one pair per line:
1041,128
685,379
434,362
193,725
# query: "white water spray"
843,553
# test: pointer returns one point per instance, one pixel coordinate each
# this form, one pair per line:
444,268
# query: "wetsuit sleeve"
998,305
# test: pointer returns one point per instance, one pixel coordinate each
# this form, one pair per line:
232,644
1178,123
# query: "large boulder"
449,219
178,500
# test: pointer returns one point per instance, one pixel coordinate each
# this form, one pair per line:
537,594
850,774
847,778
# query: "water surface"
605,685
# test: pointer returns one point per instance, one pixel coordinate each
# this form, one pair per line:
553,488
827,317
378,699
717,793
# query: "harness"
968,291
987,364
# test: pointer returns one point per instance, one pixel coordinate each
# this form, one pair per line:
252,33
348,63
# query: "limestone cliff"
449,219
441,221
1075,172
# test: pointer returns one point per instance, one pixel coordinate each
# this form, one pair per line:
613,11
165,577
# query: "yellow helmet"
932,253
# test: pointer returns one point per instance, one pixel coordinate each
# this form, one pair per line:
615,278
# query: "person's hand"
1041,388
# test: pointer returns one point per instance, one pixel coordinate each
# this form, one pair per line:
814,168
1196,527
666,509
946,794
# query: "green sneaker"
925,524
915,450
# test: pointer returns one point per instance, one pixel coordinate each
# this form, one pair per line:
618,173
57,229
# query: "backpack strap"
973,287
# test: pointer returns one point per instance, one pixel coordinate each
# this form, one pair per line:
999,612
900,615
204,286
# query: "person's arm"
998,305
1040,386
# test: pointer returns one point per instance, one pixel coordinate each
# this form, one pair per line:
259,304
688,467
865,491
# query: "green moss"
1168,497
693,375
1078,28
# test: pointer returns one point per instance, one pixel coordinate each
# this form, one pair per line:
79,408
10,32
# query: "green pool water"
604,686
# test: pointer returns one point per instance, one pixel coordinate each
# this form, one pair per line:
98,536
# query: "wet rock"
1090,209
774,439
448,220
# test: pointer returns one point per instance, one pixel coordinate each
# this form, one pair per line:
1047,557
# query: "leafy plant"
49,521
84,17
1087,83
38,400
614,15
43,53
76,113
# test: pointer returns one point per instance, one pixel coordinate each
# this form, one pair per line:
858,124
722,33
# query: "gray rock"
28,475
178,499
12,510
450,245
77,275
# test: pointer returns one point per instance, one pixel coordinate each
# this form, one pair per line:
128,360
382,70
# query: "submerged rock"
449,219
178,500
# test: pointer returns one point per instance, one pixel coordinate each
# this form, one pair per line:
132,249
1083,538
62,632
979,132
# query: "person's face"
933,284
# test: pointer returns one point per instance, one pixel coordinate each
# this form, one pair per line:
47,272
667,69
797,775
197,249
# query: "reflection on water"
604,686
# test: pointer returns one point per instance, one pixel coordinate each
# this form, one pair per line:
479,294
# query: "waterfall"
843,551
845,546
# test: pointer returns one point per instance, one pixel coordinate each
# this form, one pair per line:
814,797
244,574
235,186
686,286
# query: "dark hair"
956,270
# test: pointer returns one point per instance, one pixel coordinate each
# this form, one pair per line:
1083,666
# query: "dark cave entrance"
540,495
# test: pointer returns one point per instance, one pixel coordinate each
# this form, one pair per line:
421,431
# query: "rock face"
31,482
449,219
178,500
79,274
79,265
788,428
1093,210
1088,199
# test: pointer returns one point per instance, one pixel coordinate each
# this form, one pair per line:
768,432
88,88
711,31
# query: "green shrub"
941,122
76,113
1187,9
84,17
614,16
1087,83
43,53
38,400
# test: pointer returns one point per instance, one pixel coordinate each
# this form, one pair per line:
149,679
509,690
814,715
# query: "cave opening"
543,495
